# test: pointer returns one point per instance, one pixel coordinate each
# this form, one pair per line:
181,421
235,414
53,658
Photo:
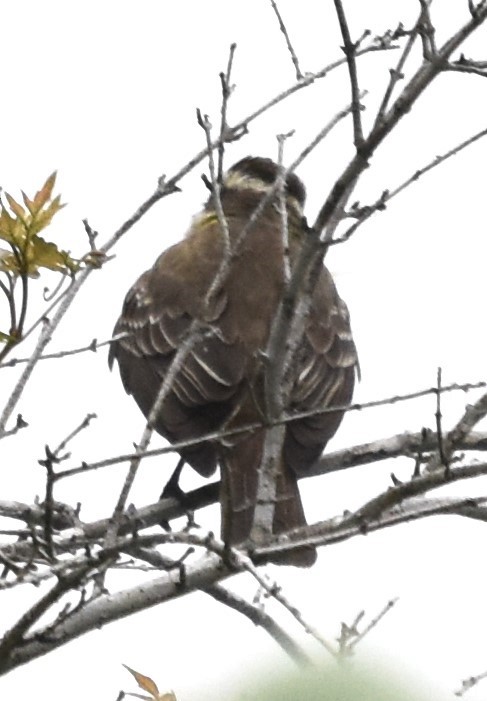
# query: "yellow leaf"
144,682
6,222
45,192
8,262
16,208
45,254
20,227
43,218
147,684
12,230
29,203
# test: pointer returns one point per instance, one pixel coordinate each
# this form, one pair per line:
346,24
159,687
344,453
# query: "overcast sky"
105,92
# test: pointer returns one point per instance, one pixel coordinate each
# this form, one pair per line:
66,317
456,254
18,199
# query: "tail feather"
240,465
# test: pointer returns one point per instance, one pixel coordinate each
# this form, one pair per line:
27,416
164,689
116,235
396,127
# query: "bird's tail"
240,464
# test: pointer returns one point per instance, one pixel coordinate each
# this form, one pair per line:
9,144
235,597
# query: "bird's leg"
172,488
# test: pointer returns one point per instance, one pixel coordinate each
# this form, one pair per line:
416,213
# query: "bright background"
105,92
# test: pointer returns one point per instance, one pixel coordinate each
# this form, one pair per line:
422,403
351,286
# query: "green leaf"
6,338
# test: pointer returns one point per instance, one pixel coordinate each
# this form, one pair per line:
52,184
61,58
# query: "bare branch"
384,43
397,73
255,614
181,355
110,607
365,212
282,27
216,435
82,426
275,591
260,618
225,79
472,415
371,625
390,512
427,31
469,683
92,346
423,77
445,461
349,49
42,341
224,267
12,639
466,65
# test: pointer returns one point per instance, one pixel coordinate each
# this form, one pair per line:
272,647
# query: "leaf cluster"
20,226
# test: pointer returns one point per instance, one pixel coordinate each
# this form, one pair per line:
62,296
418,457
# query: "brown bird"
220,383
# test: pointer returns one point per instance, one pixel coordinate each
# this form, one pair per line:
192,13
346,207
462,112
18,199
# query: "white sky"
105,92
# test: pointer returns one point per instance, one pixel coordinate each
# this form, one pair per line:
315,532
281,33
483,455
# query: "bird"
218,387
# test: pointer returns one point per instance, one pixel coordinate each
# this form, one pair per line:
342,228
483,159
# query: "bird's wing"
325,376
157,317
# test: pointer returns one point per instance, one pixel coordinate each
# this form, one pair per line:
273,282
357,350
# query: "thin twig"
466,65
397,73
48,463
205,124
275,591
373,623
439,430
288,323
334,530
218,435
380,44
470,682
84,424
282,27
364,213
427,31
473,414
281,194
395,495
262,619
253,613
340,529
42,341
419,82
184,349
14,636
225,79
92,346
349,49
204,572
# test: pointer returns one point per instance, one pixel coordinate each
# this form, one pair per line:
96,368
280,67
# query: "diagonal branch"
282,27
365,212
225,79
420,81
350,49
219,593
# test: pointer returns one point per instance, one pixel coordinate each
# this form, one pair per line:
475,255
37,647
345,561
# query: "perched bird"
219,386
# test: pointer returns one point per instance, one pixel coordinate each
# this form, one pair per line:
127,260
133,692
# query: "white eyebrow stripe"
239,181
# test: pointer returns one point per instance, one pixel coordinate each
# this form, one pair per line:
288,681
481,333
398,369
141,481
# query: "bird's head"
258,175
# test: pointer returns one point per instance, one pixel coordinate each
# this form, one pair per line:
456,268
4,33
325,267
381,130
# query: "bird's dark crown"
260,174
